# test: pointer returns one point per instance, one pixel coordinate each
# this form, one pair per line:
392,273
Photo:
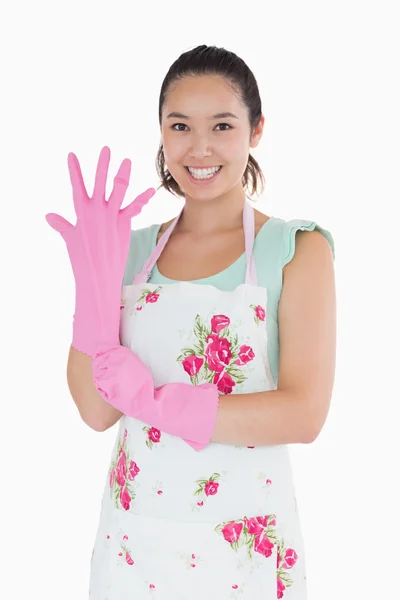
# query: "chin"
203,196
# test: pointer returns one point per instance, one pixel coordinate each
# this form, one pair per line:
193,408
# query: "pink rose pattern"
147,297
153,436
259,313
286,559
212,359
123,553
258,534
207,487
217,356
122,472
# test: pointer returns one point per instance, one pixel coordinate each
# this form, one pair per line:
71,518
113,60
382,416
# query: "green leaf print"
250,544
234,372
202,481
285,577
236,545
200,331
188,352
271,534
210,376
198,327
235,353
198,349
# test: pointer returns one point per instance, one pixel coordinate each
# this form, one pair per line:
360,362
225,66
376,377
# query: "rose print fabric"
179,524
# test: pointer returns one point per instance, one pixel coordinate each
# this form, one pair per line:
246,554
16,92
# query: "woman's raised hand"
98,246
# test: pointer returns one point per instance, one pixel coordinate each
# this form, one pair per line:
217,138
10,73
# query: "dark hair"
210,60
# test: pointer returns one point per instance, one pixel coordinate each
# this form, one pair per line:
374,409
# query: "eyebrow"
223,115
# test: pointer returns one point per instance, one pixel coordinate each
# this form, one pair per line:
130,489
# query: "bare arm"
297,410
94,410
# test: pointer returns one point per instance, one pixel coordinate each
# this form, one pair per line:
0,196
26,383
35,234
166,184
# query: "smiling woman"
226,327
196,84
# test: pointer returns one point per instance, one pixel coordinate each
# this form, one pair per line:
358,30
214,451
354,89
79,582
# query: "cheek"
236,150
174,147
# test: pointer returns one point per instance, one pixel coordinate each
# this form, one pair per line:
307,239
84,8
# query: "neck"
220,214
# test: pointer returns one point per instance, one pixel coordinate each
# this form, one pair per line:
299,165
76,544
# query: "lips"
203,181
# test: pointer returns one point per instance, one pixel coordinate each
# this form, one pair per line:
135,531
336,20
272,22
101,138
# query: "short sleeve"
140,247
289,236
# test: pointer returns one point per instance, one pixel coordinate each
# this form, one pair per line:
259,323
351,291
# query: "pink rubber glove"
180,409
98,247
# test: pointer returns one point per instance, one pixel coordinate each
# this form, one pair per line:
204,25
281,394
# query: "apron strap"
248,226
145,273
249,237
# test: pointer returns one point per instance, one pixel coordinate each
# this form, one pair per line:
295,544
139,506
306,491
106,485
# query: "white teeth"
203,173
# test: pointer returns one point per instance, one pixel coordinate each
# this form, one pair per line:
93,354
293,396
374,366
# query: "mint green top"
274,247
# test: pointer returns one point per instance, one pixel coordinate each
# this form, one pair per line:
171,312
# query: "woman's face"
196,137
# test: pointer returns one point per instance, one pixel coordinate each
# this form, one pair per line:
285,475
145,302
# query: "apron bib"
179,524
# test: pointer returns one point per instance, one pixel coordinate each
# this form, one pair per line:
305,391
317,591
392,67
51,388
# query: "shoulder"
302,237
260,219
309,248
308,276
284,246
283,239
163,227
141,244
143,238
311,262
280,239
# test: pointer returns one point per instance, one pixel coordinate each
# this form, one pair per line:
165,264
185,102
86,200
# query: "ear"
257,133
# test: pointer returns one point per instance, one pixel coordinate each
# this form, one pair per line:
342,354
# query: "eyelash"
175,124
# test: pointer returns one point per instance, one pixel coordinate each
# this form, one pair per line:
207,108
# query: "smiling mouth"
204,177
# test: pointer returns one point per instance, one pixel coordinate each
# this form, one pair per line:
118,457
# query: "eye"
178,125
184,125
224,125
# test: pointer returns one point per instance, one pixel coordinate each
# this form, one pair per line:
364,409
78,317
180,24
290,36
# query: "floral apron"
177,524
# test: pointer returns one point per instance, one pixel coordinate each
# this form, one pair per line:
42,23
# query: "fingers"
135,207
100,181
79,191
121,183
59,224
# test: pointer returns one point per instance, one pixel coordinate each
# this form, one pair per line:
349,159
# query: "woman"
220,354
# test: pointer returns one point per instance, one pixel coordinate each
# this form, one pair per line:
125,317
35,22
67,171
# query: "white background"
79,75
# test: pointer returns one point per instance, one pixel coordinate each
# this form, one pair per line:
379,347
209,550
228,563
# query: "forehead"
202,96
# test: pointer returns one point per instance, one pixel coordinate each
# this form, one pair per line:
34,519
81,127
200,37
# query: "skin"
210,234
211,223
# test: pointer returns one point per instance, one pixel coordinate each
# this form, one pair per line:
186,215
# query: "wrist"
123,379
92,327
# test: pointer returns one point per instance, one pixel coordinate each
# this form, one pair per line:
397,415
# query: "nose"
199,154
199,149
